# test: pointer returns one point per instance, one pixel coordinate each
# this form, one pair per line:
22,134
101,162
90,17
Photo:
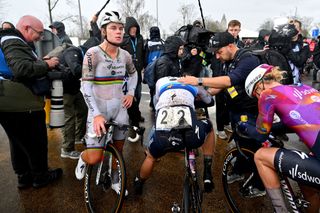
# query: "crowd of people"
103,82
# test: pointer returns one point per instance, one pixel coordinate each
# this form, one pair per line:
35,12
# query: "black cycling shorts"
171,141
298,166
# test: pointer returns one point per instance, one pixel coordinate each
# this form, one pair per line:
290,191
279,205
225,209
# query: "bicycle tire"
192,196
197,197
101,197
186,204
234,191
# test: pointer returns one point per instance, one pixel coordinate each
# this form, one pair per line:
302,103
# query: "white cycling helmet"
255,76
112,16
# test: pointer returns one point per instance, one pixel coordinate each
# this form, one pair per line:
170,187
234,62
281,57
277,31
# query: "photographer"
75,108
22,112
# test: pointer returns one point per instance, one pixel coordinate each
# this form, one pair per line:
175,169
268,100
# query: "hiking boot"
24,180
138,185
44,179
116,182
252,192
234,177
72,155
222,135
80,170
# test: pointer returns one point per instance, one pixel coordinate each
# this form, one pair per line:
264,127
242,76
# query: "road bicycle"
98,192
192,193
239,194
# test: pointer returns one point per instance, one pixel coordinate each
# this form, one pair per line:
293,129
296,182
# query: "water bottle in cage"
192,162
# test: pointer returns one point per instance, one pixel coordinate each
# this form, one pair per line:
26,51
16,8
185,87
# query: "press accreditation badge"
232,92
169,117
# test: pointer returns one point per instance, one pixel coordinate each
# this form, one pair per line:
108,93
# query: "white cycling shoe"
80,170
116,187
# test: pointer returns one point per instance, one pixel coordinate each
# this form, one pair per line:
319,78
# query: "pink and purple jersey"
298,106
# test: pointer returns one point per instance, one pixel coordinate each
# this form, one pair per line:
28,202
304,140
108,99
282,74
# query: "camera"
57,118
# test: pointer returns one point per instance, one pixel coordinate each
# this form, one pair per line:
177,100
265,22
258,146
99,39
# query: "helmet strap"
112,43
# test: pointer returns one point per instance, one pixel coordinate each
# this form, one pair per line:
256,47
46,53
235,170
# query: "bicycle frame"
108,140
296,202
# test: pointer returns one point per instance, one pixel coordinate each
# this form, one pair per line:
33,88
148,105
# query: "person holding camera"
75,108
22,112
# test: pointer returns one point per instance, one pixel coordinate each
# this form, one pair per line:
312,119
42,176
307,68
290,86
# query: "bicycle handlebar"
139,131
276,142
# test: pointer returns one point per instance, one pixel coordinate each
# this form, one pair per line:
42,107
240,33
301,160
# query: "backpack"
274,58
5,71
154,50
149,74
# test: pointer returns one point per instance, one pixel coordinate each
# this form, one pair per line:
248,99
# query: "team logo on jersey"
113,72
295,115
315,98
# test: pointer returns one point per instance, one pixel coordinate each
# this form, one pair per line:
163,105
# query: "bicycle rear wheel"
237,194
99,196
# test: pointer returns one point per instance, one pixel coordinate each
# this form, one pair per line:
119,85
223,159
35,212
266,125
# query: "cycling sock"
207,160
277,200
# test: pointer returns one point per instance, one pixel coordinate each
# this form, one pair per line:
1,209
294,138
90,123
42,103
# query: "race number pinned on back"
171,117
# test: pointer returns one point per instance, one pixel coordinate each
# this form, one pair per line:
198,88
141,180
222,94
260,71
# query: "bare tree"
187,13
52,5
267,25
135,8
3,5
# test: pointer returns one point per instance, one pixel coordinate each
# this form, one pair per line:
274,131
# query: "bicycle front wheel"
98,192
240,190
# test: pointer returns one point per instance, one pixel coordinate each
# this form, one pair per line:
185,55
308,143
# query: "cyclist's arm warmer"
88,73
204,95
266,113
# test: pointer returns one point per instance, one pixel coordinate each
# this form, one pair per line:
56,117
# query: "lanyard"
134,47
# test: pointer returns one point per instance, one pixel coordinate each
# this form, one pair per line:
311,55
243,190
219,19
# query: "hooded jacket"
168,64
61,33
134,45
14,95
72,59
153,43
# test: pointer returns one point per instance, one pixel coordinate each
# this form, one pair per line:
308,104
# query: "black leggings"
298,166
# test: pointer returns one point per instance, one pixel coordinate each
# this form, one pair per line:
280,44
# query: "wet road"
66,194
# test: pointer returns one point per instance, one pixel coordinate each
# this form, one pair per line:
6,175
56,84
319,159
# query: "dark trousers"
134,111
222,111
27,135
76,112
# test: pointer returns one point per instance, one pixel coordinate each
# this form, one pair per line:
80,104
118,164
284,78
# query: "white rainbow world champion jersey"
169,92
103,78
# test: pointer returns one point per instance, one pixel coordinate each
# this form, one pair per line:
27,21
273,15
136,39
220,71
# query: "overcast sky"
251,13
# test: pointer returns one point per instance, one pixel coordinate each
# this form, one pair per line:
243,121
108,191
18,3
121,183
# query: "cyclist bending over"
170,98
108,83
298,106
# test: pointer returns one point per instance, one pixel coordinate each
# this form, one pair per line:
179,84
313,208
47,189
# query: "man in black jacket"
169,63
58,28
133,43
22,112
75,107
298,54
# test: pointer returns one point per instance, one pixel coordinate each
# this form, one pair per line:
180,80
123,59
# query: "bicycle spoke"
99,194
239,194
